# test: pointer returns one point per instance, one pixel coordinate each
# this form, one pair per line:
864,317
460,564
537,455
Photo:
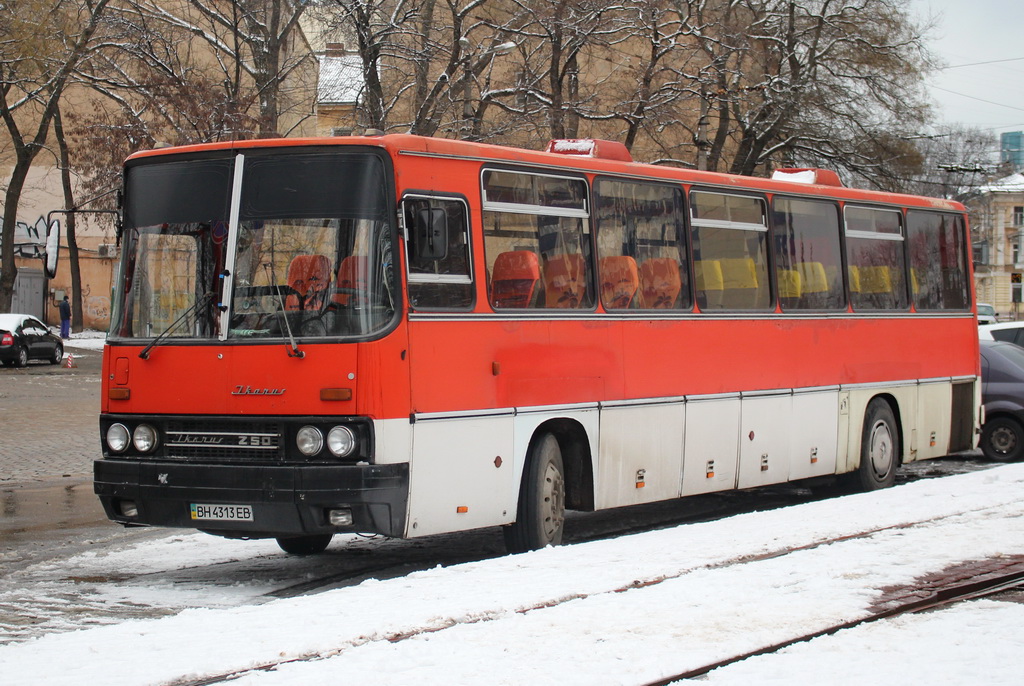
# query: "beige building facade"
997,220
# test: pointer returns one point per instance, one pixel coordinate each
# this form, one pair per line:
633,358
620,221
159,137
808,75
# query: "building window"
1018,216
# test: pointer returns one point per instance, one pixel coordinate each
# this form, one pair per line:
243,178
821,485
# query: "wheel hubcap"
554,502
1003,441
881,449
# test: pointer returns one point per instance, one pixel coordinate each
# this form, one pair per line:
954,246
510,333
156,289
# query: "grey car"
1002,393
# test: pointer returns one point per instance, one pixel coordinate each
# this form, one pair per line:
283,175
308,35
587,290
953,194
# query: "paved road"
49,420
49,426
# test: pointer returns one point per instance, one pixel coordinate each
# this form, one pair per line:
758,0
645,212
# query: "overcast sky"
990,95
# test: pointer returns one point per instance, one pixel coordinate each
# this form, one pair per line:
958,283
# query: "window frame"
960,224
682,242
469,279
587,236
763,228
841,264
899,237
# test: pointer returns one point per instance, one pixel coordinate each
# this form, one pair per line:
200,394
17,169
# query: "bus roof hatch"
591,147
822,177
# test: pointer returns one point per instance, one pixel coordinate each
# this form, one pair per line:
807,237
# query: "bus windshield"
309,255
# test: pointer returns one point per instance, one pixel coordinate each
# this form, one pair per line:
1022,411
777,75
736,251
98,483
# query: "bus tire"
305,545
540,516
879,448
1002,439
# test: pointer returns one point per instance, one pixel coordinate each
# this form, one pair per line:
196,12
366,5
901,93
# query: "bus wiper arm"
293,349
201,302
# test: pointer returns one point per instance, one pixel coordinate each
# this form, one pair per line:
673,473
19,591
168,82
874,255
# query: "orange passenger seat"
308,277
514,279
660,283
620,280
565,281
352,275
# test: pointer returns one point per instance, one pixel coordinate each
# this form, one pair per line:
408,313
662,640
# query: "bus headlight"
144,438
117,438
309,440
341,441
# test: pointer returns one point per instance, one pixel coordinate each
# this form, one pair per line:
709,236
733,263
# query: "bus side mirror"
430,234
52,249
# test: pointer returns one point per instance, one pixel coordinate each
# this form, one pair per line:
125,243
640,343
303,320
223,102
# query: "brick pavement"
49,420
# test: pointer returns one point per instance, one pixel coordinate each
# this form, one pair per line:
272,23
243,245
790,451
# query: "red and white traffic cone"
70,362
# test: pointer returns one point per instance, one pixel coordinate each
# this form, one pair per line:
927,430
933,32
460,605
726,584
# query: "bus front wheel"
540,516
305,545
879,448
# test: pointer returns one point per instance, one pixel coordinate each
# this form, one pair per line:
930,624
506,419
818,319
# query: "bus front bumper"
258,501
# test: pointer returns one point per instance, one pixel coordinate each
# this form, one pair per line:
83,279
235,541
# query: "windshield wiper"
201,302
293,349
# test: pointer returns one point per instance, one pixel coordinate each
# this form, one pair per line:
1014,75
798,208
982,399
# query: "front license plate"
230,513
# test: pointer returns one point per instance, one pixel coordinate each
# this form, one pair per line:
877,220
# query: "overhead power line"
976,64
989,102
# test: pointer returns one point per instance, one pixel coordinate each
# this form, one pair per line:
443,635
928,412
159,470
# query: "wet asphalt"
49,436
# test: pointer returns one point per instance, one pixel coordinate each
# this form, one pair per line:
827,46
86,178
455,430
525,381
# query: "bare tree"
954,161
418,60
248,39
41,43
816,81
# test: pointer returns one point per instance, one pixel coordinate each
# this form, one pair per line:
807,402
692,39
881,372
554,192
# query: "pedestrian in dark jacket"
65,318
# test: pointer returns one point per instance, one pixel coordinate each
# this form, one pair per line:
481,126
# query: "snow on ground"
629,610
85,340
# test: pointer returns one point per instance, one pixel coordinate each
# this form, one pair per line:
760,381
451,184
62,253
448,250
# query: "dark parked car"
1002,393
24,338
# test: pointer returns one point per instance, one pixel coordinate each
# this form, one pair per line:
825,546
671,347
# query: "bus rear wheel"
540,516
305,545
879,448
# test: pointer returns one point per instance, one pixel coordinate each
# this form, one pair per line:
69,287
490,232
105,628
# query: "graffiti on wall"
95,308
29,240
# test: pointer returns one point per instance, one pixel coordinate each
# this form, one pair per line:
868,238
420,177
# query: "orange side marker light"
335,393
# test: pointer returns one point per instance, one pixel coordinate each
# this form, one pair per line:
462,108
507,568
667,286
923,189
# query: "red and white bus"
407,336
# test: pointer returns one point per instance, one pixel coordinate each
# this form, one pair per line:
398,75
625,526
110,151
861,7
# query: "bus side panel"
641,454
462,475
712,445
934,420
764,440
472,365
814,434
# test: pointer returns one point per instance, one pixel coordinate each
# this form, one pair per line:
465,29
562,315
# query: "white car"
987,314
1011,332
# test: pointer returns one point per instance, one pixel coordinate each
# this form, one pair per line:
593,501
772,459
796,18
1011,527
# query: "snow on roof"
1014,183
341,79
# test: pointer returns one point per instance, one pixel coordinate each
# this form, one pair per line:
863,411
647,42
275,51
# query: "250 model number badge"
249,390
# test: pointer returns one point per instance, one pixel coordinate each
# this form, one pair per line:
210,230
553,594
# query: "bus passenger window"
730,242
874,253
807,254
536,238
445,282
938,261
642,245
